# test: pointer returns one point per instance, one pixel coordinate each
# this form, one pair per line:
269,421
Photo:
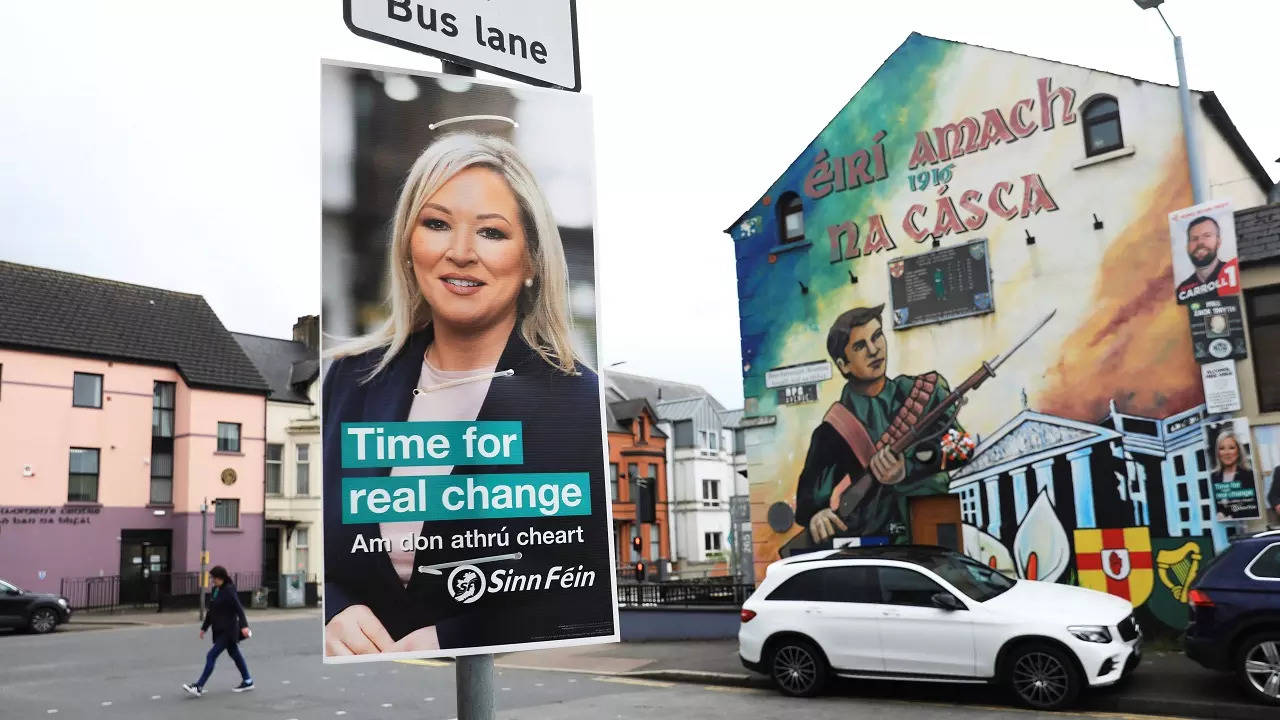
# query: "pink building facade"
108,449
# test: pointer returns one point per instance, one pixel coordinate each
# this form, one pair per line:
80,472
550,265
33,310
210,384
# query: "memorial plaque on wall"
1217,329
945,284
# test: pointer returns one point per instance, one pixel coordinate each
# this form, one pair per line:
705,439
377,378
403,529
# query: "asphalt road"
137,672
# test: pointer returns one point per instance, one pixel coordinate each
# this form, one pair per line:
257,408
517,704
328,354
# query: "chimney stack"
307,331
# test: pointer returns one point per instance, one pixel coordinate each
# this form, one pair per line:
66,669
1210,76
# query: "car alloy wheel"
1262,668
795,669
43,620
1041,679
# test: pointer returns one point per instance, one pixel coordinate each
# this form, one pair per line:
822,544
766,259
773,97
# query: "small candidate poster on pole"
1203,242
465,505
1232,477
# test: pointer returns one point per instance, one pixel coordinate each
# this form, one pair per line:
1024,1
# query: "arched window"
790,218
1102,126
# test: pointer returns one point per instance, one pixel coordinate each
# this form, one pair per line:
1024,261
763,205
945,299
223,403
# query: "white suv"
926,613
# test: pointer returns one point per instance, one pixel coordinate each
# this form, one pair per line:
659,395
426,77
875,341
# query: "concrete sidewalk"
1166,683
99,620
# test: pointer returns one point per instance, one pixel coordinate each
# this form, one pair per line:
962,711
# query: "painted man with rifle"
880,445
851,451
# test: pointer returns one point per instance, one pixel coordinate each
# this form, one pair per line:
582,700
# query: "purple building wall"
39,546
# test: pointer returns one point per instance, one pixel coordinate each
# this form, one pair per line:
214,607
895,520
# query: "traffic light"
639,570
635,545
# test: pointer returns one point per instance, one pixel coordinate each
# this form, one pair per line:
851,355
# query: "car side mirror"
947,601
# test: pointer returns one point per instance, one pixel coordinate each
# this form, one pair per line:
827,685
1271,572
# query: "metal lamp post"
1199,190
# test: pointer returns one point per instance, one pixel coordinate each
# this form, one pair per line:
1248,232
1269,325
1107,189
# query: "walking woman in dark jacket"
226,616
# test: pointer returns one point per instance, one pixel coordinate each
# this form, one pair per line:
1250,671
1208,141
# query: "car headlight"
1091,633
62,602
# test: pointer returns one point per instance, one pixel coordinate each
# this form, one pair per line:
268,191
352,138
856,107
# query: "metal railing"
683,594
91,593
176,589
247,580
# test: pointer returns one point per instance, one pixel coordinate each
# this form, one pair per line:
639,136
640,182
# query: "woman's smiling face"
1228,451
469,250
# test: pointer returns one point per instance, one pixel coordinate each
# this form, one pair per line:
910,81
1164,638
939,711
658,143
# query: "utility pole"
1199,186
204,550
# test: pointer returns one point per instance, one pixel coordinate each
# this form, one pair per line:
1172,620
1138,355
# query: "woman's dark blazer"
225,614
561,432
1243,476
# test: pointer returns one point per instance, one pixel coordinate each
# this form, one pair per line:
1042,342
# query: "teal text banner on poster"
413,444
464,497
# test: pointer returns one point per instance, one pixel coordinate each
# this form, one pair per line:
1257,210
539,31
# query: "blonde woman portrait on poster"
1231,465
478,330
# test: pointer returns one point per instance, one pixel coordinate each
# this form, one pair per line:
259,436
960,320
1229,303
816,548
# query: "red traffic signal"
639,572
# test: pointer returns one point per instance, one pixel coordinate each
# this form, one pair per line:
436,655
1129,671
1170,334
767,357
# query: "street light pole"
204,549
1199,189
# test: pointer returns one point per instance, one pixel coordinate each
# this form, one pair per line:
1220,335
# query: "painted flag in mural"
1179,562
1116,561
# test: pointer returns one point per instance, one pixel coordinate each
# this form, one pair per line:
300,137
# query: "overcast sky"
177,144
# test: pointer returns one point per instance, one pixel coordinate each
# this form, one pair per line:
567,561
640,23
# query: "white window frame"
711,501
279,465
298,466
302,551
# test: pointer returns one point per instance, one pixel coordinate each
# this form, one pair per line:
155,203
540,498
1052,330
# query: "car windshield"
5,587
971,577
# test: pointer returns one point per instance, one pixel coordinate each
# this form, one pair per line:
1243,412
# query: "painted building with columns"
1120,472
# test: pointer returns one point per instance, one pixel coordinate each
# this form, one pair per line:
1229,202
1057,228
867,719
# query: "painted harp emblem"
1177,569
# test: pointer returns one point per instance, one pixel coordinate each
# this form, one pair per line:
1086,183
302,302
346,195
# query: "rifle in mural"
850,498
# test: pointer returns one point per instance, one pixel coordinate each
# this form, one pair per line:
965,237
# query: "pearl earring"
528,282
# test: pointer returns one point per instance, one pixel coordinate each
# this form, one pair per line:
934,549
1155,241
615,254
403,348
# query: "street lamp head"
1148,4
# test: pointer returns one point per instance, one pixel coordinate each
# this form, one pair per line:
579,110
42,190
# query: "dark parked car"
1235,615
37,612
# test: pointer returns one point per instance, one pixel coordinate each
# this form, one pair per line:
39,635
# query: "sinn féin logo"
466,583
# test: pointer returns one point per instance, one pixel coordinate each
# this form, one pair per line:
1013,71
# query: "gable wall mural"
949,212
